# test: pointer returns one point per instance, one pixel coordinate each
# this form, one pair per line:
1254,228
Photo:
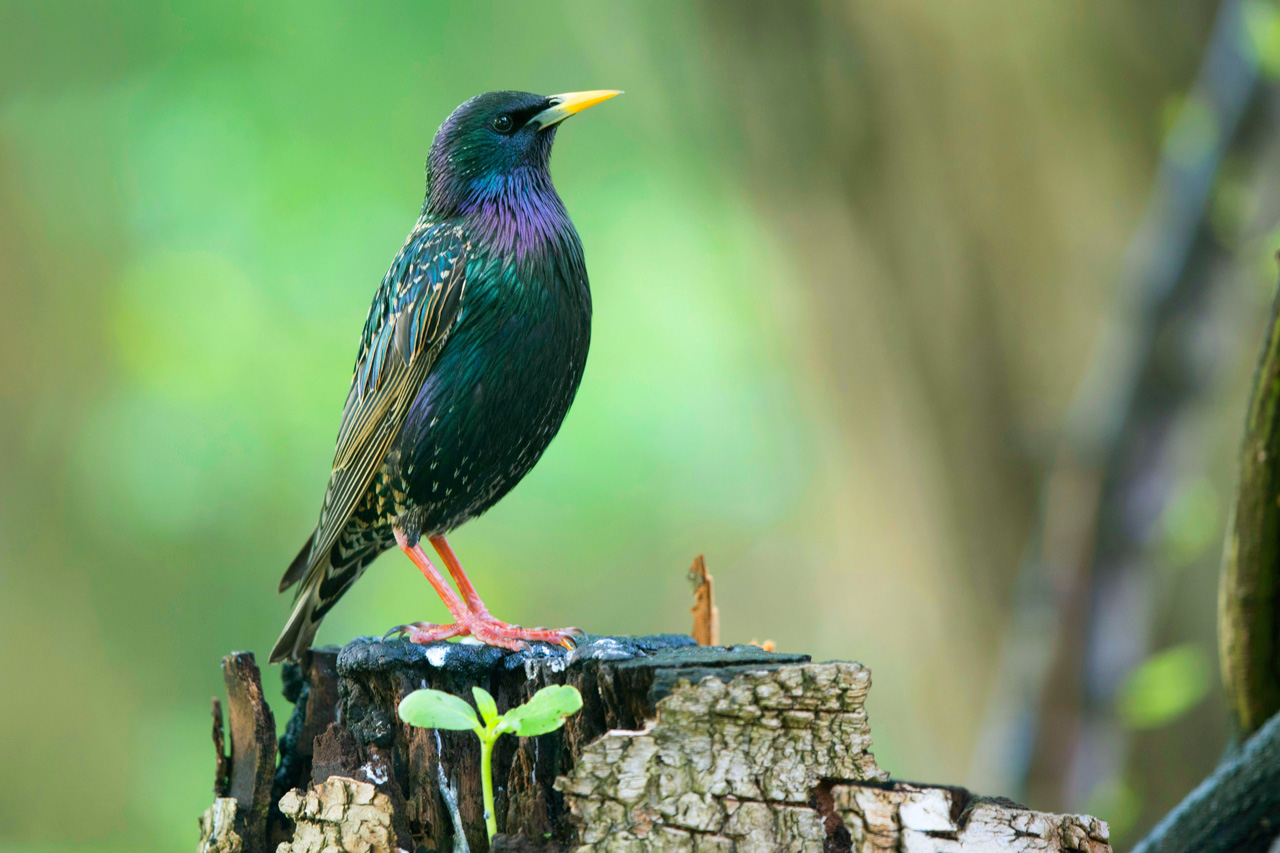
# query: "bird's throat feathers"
516,212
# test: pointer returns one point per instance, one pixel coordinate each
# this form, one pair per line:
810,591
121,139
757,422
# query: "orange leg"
457,609
468,590
469,612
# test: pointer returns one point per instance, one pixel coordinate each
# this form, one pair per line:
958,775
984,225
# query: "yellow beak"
571,103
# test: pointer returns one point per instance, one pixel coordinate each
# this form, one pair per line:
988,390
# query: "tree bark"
1235,810
678,747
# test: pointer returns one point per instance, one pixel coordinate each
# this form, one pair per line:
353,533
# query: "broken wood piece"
253,748
903,818
706,616
222,765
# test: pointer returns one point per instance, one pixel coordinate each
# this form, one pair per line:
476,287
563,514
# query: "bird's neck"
517,213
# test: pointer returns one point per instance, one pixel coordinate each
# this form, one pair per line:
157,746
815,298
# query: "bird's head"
493,138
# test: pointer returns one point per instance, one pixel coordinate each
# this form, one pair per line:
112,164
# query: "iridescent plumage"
470,357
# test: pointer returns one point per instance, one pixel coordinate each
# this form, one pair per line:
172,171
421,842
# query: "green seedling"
545,712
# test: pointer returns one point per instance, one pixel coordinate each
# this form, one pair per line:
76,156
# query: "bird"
470,357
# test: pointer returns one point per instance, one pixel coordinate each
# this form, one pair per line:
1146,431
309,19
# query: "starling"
470,357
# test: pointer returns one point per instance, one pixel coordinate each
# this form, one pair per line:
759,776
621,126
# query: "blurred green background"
849,263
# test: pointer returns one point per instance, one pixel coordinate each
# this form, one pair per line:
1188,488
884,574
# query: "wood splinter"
706,616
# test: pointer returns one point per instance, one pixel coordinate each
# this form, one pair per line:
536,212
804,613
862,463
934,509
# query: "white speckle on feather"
376,775
436,656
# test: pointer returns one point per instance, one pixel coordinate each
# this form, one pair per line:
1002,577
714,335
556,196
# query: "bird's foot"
494,632
426,632
491,632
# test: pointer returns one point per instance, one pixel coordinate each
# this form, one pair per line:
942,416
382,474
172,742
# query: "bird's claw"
426,632
572,637
490,632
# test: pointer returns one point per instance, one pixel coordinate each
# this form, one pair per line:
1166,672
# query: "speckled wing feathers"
410,319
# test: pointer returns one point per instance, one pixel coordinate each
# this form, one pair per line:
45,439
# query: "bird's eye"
503,124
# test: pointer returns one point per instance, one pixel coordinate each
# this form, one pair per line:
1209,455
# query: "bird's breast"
496,396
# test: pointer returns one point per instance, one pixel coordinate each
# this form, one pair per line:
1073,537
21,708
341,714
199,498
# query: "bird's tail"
299,566
304,621
322,584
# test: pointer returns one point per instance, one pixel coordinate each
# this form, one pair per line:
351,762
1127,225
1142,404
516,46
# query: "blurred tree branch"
1237,808
1248,606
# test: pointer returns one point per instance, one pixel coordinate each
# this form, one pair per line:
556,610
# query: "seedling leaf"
488,708
543,713
434,709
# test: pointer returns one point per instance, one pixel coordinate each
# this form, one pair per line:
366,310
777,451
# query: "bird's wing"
409,320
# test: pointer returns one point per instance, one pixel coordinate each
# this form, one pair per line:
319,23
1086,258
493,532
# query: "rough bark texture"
1235,810
217,828
253,751
906,818
678,747
313,690
621,681
728,763
339,814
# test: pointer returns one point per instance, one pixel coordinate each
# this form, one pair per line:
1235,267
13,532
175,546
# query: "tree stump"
678,747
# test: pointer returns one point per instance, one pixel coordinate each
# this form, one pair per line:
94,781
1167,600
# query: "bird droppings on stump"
678,747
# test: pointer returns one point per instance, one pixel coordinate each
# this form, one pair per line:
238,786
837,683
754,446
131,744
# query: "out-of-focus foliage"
1262,22
1166,686
846,406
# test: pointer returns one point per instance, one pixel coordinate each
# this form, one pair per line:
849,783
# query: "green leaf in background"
1165,686
488,708
545,712
432,709
1262,33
